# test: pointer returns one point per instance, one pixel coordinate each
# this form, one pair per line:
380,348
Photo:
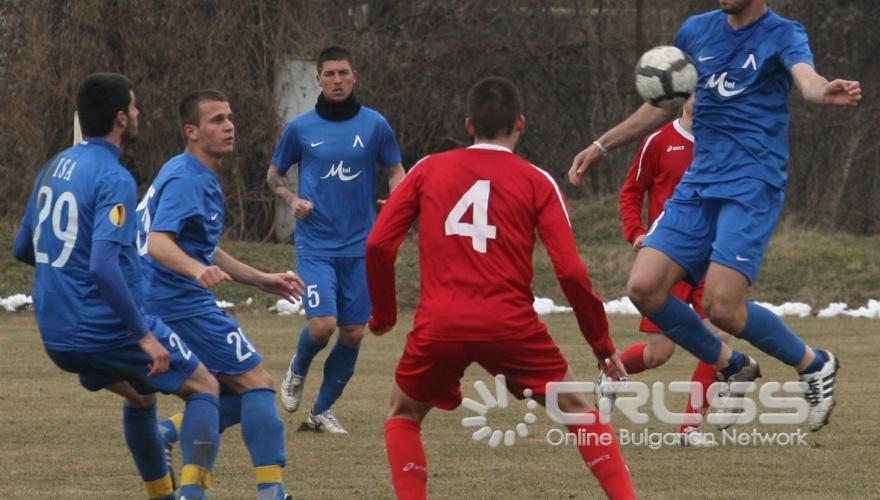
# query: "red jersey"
478,212
659,163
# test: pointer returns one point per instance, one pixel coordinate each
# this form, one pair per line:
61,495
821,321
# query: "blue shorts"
128,363
219,342
727,222
337,287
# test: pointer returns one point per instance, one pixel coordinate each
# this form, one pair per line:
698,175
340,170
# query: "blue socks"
263,434
684,327
306,350
735,363
768,333
230,414
817,363
200,442
338,369
144,442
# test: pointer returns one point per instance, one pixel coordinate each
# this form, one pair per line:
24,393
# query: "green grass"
57,440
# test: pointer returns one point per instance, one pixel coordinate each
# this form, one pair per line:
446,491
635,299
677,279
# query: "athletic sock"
704,374
230,411
406,456
169,428
338,370
768,333
306,350
817,363
145,444
684,327
263,434
633,358
735,364
600,453
200,442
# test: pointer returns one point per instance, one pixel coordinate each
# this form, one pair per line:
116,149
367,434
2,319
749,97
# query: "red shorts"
686,292
430,371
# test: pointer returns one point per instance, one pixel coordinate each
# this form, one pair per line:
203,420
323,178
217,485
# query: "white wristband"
602,148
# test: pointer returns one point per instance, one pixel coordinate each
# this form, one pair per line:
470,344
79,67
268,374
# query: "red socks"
704,374
602,456
406,456
634,358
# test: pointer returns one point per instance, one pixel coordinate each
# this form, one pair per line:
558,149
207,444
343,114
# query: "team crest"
117,215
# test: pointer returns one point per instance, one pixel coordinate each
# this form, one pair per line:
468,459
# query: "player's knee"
351,335
201,381
643,292
321,329
721,314
573,403
140,401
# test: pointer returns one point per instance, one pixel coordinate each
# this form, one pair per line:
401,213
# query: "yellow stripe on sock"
177,421
195,474
268,474
159,488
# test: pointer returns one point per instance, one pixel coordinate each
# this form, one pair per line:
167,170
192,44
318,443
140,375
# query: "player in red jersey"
479,210
658,165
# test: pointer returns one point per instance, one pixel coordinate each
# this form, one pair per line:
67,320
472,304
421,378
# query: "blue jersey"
186,200
337,173
80,196
741,114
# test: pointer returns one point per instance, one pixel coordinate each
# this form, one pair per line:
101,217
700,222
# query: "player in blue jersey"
79,234
338,147
180,221
721,216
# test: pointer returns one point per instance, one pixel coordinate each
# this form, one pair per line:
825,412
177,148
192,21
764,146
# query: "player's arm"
165,250
278,184
817,89
642,121
383,244
395,176
554,229
286,286
632,195
23,247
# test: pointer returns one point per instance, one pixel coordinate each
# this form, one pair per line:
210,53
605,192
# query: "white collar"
491,147
684,133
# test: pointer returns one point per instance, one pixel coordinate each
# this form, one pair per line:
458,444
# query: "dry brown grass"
58,441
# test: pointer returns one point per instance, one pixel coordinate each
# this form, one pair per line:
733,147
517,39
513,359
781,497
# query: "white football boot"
749,372
325,422
820,392
292,388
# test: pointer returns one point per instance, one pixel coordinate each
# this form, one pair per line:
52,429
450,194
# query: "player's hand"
157,352
582,162
288,285
377,329
638,242
302,208
613,367
211,276
842,93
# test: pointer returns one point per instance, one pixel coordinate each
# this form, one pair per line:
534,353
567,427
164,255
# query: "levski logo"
341,172
724,87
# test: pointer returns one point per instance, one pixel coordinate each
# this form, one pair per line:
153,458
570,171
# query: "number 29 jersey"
80,196
478,211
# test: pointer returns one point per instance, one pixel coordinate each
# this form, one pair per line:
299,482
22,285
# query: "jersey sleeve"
796,47
682,37
389,151
554,228
288,151
175,203
388,233
115,201
632,194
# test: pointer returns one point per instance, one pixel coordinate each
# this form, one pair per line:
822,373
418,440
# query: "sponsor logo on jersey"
724,87
357,142
344,173
671,148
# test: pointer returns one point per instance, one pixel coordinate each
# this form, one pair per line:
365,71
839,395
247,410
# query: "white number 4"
480,230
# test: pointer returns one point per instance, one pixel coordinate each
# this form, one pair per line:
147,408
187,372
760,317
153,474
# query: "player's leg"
745,227
261,428
353,304
199,434
321,311
404,447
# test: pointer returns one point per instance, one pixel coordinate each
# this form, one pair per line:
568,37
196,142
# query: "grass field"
58,441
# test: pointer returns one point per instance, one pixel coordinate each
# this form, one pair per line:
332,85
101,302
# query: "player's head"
494,109
336,74
105,102
735,7
206,121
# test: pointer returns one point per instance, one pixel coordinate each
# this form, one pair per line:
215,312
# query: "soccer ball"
665,77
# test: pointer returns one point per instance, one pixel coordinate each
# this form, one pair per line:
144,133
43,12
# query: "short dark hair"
99,97
493,105
188,112
333,53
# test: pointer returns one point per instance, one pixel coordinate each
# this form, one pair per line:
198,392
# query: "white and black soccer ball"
665,77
